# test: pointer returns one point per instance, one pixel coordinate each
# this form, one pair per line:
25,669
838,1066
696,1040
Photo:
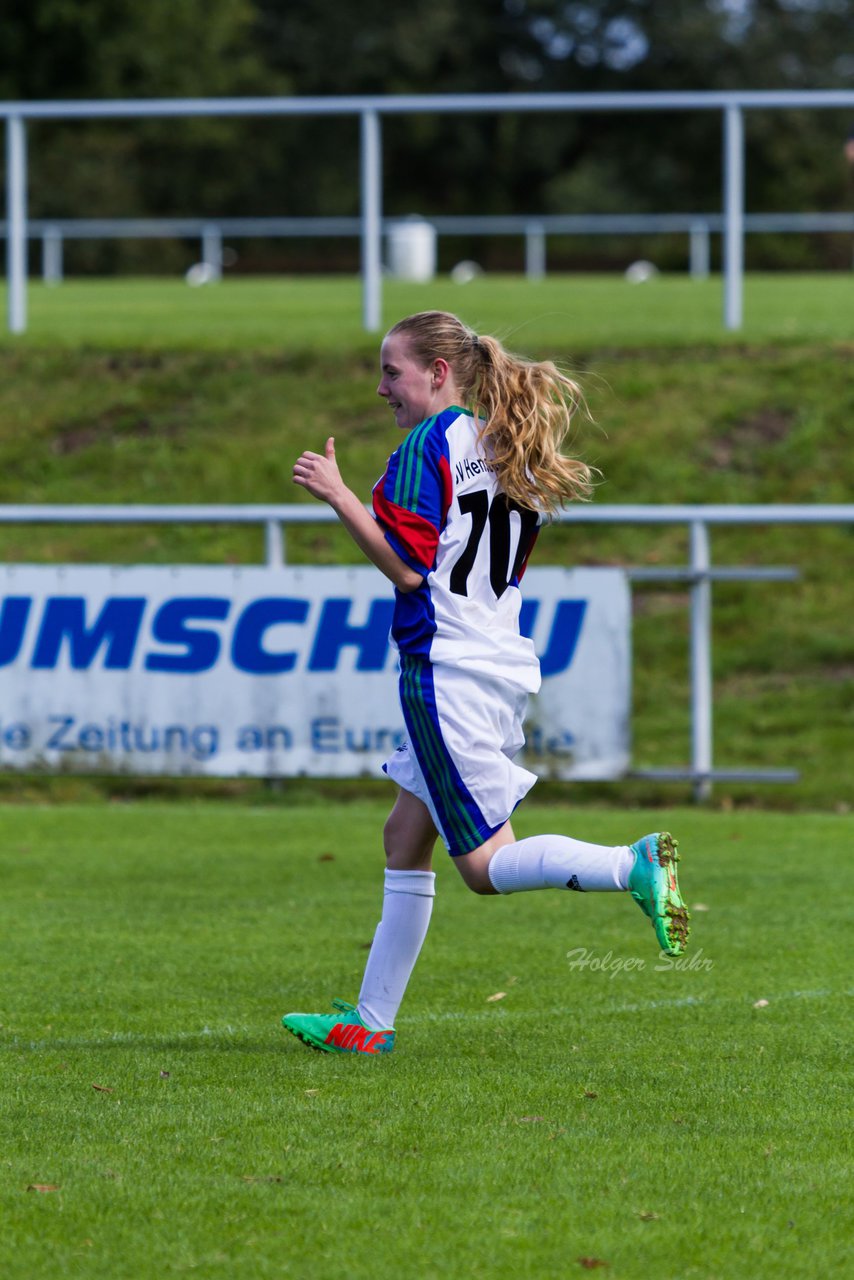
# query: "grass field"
609,1112
652,1117
324,313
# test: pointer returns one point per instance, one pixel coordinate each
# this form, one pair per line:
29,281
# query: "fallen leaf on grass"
761,1004
43,1186
326,857
648,1216
590,1263
499,995
588,1093
102,1088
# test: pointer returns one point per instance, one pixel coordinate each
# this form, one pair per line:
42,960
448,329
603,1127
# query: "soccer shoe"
338,1033
654,887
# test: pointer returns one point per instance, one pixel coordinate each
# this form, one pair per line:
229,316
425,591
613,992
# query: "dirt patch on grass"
750,436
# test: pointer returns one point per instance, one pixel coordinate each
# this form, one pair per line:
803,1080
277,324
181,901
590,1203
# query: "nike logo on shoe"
356,1039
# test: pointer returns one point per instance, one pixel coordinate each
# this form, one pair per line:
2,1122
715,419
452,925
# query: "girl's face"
412,391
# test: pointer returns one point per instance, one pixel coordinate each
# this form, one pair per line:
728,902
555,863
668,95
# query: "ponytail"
525,409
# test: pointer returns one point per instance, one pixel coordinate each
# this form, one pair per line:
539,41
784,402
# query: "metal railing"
699,573
533,229
370,111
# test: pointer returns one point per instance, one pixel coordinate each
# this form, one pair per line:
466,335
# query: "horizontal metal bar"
311,513
485,225
733,513
587,224
632,223
715,775
720,573
166,514
154,228
427,103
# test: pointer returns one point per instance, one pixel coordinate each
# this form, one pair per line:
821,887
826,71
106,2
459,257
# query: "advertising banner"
197,670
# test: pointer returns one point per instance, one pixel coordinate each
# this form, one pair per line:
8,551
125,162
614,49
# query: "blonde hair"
525,407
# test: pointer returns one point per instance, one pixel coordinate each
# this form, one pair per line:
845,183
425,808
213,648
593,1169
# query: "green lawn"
611,1107
565,312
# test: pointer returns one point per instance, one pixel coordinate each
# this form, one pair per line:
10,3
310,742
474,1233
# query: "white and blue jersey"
443,513
465,669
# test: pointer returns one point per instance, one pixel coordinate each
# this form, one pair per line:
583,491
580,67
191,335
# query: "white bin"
412,250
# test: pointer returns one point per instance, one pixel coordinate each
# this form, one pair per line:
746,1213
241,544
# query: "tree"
81,49
432,164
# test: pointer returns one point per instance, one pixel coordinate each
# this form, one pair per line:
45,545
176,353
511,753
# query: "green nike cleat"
654,887
331,1033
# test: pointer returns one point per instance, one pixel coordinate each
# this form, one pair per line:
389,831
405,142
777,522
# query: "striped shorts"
463,732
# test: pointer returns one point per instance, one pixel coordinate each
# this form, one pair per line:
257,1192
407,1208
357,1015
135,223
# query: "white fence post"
274,544
700,257
733,216
535,251
16,223
212,250
52,256
701,660
371,169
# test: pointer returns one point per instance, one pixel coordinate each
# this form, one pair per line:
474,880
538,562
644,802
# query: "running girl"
456,515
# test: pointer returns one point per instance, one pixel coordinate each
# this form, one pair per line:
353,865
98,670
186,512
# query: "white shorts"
464,731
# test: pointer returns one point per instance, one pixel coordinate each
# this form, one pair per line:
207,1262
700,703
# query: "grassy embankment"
151,392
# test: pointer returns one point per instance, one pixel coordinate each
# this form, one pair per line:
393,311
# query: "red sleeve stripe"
415,534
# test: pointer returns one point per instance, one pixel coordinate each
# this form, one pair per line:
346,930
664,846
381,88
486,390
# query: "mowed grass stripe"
150,950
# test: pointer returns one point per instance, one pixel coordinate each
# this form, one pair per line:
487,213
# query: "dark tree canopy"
60,49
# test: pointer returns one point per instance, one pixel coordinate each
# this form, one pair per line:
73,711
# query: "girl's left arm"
319,474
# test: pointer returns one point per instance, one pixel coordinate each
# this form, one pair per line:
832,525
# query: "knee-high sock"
557,862
407,907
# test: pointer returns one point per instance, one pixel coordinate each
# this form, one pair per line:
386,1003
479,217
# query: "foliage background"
68,49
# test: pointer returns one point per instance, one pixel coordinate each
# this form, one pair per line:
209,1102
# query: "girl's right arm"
319,474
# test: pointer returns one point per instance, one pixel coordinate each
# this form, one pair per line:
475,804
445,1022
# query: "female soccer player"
456,515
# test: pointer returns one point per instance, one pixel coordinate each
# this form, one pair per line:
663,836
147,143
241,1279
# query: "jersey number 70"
497,515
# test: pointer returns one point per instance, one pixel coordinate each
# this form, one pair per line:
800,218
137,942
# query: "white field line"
641,1006
475,1015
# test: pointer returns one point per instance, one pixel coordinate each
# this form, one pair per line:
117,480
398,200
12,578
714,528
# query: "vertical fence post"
371,165
535,251
701,660
52,255
212,250
733,216
274,544
699,251
16,223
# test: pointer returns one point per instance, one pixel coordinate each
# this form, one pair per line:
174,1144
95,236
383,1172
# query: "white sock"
407,907
557,862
